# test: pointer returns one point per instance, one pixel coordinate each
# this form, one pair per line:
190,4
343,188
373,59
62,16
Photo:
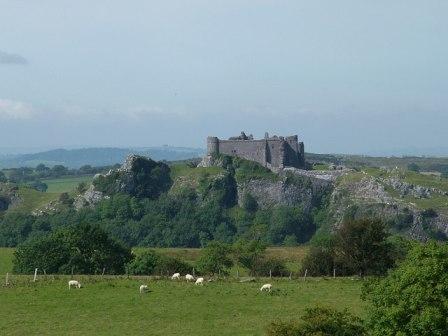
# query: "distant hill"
75,158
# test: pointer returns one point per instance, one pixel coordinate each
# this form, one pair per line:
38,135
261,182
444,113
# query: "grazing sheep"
199,281
143,288
74,283
175,276
266,287
189,277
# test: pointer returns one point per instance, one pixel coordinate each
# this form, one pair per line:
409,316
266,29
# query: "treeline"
142,210
88,249
179,220
41,171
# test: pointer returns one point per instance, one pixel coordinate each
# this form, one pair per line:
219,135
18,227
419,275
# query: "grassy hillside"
65,184
170,308
33,199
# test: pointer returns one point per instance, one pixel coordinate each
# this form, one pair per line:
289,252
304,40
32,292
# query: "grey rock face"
90,198
270,193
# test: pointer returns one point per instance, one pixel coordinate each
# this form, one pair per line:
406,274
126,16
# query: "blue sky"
347,76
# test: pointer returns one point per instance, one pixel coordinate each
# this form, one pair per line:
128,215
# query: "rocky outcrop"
269,193
89,199
409,189
368,197
9,196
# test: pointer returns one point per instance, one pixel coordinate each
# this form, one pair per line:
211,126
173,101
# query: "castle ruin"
271,152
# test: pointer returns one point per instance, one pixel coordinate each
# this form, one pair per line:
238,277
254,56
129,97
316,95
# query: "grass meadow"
65,184
114,306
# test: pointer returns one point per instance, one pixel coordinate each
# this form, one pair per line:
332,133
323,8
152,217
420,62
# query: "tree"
153,263
413,167
250,203
319,261
412,299
361,247
3,178
59,170
85,248
319,321
249,254
215,259
38,185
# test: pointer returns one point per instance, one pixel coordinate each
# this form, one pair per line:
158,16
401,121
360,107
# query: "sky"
347,76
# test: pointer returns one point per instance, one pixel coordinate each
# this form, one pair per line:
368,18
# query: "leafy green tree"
413,167
85,248
412,299
361,246
319,321
38,185
249,254
59,170
3,178
152,263
250,203
319,261
215,259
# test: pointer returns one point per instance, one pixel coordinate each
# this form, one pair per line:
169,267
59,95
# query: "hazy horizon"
347,77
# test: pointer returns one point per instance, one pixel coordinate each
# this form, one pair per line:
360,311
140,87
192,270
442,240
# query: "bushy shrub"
215,259
270,266
361,247
319,261
153,263
249,203
319,321
412,299
83,249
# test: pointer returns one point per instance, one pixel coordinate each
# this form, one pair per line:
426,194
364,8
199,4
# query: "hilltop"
151,203
75,158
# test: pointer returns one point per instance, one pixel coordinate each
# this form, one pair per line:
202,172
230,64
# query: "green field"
6,255
114,306
65,184
292,255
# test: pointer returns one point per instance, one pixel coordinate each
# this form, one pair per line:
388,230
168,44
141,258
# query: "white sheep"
267,287
199,281
143,288
175,276
74,283
189,277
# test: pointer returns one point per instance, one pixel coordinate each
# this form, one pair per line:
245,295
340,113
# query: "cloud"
15,110
14,59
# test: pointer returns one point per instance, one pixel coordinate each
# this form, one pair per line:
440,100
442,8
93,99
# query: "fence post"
193,273
35,275
306,272
7,279
73,267
237,272
104,270
290,275
270,274
334,272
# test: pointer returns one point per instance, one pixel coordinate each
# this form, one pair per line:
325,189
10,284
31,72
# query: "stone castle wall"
271,152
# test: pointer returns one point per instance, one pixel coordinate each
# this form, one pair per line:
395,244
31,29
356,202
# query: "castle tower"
212,145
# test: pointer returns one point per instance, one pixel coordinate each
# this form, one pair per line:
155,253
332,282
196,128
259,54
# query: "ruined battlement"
271,152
